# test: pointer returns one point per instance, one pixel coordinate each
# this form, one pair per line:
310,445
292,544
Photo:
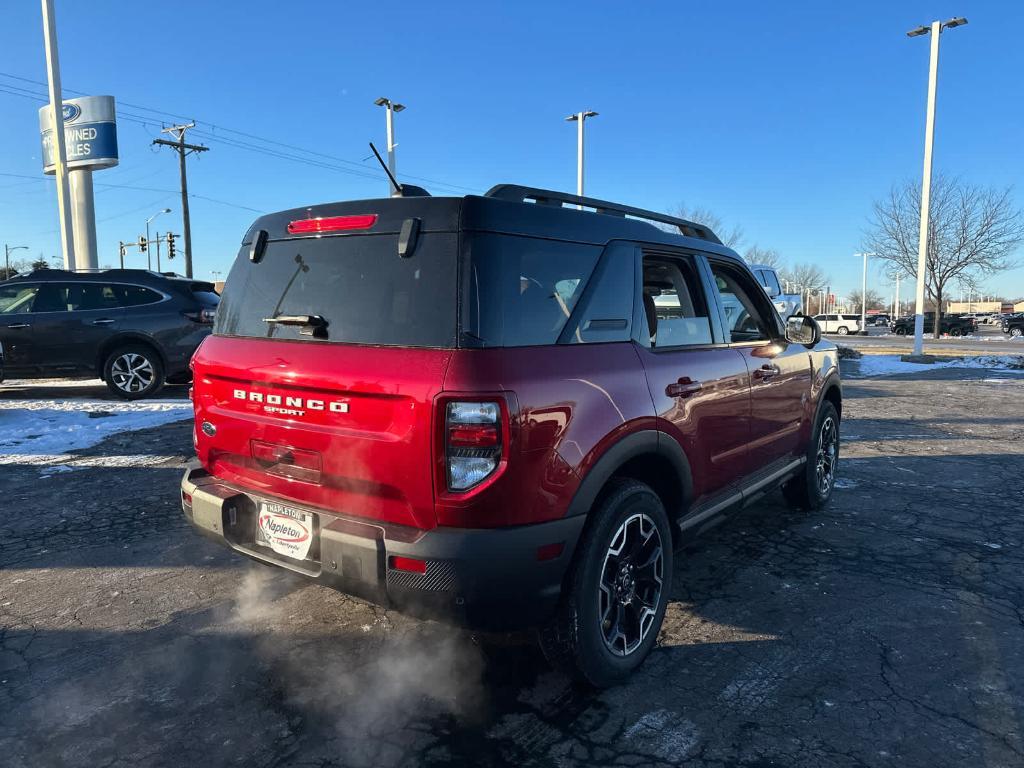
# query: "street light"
580,118
391,107
935,29
7,258
864,293
149,264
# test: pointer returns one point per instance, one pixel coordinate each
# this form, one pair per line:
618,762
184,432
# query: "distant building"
959,307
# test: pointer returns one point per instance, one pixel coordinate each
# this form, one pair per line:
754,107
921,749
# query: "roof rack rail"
519,193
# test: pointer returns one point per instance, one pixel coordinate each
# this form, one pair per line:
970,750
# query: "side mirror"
801,329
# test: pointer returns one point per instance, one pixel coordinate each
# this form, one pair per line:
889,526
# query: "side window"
135,295
745,317
771,283
85,296
52,297
608,314
17,298
674,305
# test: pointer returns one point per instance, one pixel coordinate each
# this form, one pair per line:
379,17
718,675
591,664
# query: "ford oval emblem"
208,429
71,112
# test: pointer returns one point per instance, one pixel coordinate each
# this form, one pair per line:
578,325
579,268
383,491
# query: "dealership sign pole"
90,141
56,125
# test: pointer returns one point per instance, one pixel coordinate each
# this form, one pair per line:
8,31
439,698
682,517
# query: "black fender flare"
647,441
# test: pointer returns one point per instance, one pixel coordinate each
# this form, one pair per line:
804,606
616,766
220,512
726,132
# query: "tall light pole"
896,311
391,108
935,29
60,156
864,293
149,264
580,118
7,258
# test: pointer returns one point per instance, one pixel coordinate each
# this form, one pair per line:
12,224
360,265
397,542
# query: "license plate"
286,531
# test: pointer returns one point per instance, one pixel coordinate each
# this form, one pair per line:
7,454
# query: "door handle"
19,325
683,388
103,321
766,372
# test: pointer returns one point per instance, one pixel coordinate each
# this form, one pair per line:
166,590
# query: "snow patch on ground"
663,734
53,427
885,365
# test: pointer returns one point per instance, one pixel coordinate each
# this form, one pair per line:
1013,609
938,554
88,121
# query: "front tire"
1016,332
812,488
133,371
901,331
616,591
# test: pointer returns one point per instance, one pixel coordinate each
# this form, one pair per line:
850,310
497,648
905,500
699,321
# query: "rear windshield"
206,293
357,283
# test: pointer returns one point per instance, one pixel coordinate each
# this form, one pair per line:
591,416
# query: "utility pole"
935,29
60,156
183,149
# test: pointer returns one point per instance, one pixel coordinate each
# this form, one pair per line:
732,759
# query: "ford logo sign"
208,429
71,112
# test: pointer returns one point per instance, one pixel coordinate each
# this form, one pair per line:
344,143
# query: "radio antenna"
391,176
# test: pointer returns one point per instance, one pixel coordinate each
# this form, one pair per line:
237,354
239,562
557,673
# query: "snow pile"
31,427
885,365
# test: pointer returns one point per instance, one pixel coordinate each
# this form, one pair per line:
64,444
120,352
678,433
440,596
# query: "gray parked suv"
134,328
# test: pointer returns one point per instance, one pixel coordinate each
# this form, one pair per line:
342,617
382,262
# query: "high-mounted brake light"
332,224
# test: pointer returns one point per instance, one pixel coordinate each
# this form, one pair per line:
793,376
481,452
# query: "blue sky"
788,120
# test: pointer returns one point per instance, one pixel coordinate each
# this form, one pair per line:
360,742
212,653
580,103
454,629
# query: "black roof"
504,209
142,276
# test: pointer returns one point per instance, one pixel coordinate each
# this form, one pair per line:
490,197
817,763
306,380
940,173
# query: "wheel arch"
124,340
649,456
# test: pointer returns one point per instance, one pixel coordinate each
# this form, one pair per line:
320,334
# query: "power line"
355,168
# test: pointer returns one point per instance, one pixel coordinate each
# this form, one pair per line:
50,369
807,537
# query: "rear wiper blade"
309,325
315,321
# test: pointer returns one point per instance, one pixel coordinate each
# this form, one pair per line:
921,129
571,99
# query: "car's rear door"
700,386
779,372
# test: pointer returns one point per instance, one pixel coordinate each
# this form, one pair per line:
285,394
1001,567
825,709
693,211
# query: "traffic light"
170,245
142,244
120,247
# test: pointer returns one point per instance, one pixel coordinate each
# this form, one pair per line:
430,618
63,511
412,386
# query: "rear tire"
900,331
616,591
133,371
1016,332
843,330
812,488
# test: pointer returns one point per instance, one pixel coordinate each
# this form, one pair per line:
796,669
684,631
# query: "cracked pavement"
887,629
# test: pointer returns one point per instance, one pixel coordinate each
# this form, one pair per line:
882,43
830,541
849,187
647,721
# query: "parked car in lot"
133,328
840,324
877,320
953,325
1014,324
786,304
501,410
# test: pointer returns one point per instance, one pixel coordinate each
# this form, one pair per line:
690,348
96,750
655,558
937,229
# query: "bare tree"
805,279
730,236
875,300
768,256
972,232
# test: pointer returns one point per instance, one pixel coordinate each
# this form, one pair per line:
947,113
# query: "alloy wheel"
132,373
827,456
631,584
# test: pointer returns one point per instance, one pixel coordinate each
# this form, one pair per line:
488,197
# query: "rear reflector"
410,564
473,436
550,551
186,499
332,224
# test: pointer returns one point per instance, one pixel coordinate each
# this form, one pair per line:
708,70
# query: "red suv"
501,410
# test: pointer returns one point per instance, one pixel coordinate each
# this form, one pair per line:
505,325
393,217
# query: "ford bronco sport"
501,410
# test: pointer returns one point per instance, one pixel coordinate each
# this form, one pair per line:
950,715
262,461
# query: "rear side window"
520,291
358,284
85,296
136,295
677,314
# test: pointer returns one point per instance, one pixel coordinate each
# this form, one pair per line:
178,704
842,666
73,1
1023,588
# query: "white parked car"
841,324
787,304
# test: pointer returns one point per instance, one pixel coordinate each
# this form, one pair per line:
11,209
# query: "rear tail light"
472,442
204,315
331,224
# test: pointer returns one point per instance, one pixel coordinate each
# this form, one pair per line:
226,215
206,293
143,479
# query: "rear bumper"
487,579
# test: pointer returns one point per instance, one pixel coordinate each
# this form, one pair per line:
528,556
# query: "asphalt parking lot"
886,630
